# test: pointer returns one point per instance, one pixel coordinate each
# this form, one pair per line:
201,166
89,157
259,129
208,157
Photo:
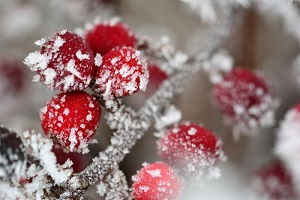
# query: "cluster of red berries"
69,63
245,99
105,56
187,148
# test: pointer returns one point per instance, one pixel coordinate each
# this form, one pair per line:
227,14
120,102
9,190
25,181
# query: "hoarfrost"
81,56
171,116
220,63
288,144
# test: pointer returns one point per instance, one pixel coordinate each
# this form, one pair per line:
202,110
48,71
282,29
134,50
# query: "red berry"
103,37
190,147
12,76
80,161
71,119
65,62
157,181
274,182
156,77
122,72
244,96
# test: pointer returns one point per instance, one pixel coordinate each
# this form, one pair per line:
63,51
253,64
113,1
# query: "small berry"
190,147
12,76
80,161
12,154
65,62
157,181
71,119
109,34
122,72
244,97
156,77
274,182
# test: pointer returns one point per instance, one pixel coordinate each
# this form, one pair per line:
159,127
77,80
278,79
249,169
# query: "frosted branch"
114,187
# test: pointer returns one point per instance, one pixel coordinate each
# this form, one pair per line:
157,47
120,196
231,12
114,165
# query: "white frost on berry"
192,131
154,173
58,42
254,118
71,68
73,138
98,60
36,61
89,117
81,56
50,75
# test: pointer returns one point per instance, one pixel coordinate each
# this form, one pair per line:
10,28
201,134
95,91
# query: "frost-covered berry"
190,147
80,161
122,72
71,119
244,98
64,63
157,181
106,35
12,155
274,182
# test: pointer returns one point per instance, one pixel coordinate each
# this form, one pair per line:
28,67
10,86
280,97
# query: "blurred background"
258,40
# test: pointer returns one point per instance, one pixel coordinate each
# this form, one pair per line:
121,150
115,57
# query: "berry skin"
12,154
244,97
109,34
71,119
122,72
156,77
80,161
190,147
157,181
65,62
274,182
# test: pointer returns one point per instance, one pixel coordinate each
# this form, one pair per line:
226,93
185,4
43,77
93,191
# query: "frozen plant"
93,69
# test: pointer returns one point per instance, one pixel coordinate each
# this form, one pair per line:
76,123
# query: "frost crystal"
288,143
